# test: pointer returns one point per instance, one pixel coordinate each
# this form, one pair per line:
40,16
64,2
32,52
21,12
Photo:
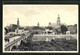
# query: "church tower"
18,22
17,25
58,20
38,24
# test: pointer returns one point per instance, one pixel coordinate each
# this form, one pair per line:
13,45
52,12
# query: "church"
56,26
19,30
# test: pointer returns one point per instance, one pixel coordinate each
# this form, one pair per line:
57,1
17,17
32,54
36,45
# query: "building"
72,29
26,30
56,26
38,30
19,30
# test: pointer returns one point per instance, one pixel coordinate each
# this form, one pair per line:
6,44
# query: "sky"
30,15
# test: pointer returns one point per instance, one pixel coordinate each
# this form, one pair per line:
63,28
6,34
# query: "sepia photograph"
40,28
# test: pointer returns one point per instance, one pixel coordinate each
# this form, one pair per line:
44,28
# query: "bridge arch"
13,48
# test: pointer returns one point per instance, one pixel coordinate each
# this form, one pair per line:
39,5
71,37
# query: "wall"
38,37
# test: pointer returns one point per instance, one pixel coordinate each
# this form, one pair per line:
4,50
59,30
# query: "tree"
6,30
10,28
63,29
75,27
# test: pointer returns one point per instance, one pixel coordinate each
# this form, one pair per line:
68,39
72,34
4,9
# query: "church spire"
38,24
58,16
58,20
18,22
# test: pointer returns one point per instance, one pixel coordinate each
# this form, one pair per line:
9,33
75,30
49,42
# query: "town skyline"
32,14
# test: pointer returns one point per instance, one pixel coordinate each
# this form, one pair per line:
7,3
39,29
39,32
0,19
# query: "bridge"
9,46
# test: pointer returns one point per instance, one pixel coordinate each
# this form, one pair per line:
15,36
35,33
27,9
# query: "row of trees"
64,29
10,28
